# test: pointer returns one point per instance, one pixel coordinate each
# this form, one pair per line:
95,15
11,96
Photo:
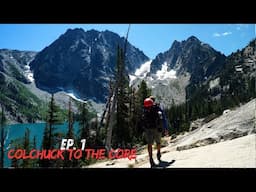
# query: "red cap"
148,102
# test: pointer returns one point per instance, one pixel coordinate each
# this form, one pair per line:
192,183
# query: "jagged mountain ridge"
191,56
237,77
83,62
193,63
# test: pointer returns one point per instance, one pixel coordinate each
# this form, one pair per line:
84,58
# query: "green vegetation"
124,116
2,136
18,100
236,87
16,73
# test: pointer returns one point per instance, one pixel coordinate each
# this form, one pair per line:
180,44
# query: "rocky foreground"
228,141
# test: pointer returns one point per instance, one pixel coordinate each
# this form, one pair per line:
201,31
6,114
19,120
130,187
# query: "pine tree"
26,146
97,139
133,115
122,131
49,142
53,118
70,135
16,144
45,144
119,104
138,98
83,122
34,161
2,136
14,161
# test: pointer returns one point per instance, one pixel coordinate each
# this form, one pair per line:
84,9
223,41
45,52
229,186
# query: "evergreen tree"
83,122
122,130
16,144
14,161
138,99
49,140
2,136
70,135
34,161
26,146
133,115
143,92
45,144
53,119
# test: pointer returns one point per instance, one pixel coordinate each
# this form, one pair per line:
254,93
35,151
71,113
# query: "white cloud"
216,35
222,34
226,33
241,26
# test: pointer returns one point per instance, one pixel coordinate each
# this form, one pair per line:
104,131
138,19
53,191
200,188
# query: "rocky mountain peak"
193,39
190,56
84,62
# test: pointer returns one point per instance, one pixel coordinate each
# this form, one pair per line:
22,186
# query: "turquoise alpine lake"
17,131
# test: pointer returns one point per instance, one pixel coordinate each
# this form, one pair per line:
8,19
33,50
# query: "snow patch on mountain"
140,73
143,70
73,96
132,78
165,74
164,83
28,73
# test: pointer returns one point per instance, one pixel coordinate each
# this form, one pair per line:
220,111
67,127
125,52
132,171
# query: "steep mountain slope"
234,84
14,63
83,62
191,56
19,103
190,62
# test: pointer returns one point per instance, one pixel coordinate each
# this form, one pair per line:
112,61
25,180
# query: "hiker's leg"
150,150
157,136
151,160
150,139
158,146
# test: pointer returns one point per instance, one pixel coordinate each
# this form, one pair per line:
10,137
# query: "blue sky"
150,38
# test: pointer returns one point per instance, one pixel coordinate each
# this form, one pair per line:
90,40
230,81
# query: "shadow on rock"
165,164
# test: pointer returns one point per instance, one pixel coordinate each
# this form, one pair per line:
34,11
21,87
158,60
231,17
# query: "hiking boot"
152,163
158,155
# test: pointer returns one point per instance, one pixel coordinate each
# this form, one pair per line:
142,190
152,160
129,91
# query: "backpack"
152,118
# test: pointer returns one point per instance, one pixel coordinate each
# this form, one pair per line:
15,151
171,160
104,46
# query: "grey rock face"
83,62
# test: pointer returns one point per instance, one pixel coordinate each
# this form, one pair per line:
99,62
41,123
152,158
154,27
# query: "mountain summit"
192,56
83,62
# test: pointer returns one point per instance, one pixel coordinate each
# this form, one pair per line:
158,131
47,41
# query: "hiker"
164,119
153,127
